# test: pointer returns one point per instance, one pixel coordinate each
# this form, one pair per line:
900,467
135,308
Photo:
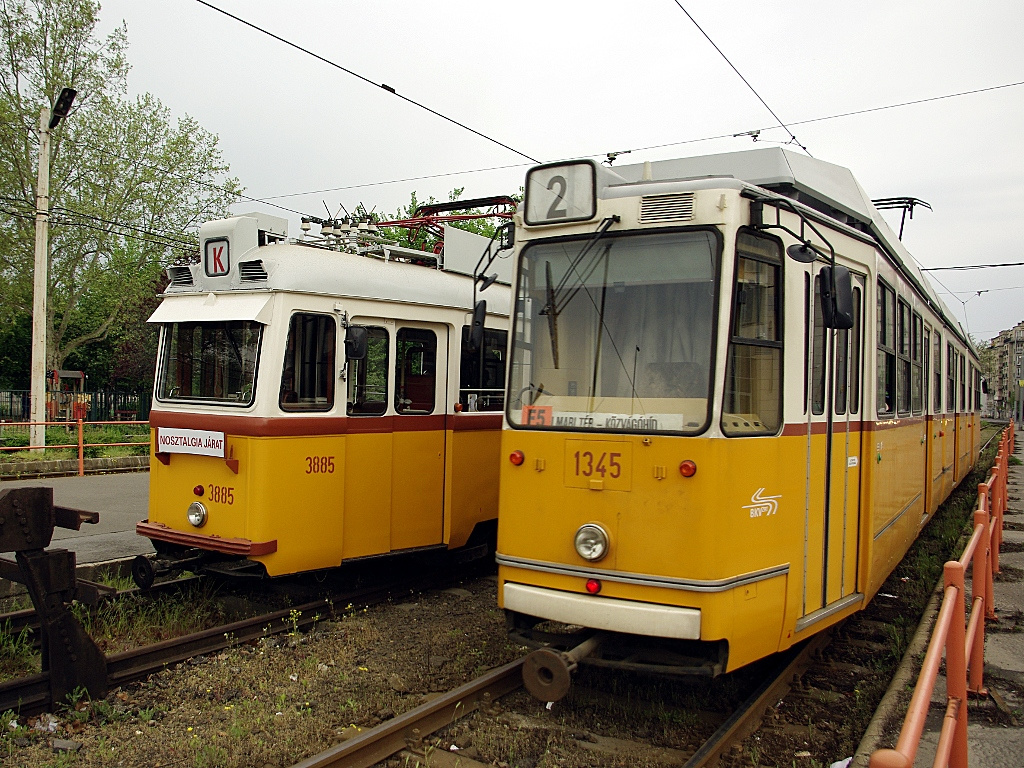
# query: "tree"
423,239
128,184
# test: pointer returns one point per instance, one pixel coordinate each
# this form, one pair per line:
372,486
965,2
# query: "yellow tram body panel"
315,501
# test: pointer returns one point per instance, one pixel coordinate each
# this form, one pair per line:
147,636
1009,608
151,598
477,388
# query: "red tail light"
517,457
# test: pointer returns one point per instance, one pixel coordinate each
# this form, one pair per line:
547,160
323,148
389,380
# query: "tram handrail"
964,646
80,445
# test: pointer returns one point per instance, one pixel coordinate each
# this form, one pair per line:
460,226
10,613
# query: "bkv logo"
762,506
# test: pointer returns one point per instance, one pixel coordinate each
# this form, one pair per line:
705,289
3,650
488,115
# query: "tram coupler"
146,569
69,655
547,673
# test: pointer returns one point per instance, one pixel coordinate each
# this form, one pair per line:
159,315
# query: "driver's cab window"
368,376
415,370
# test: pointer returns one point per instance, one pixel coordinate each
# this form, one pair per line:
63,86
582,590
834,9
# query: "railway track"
408,735
31,694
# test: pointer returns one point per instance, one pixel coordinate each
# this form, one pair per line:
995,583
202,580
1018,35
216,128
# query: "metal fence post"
81,458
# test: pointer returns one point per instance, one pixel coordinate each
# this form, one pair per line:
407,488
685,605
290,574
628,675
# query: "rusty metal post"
981,589
956,663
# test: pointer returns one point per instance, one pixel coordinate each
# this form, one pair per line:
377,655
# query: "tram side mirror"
476,330
837,310
506,236
355,342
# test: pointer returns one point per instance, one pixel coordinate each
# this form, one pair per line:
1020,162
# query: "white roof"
773,167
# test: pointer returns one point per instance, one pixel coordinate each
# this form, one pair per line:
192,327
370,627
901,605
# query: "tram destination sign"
196,441
562,192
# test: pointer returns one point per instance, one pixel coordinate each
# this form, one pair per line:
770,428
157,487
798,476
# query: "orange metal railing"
80,445
964,646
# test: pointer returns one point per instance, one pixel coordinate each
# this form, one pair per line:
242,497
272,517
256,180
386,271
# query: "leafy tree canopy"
129,184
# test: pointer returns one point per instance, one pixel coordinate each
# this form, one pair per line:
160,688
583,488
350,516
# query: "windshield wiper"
552,314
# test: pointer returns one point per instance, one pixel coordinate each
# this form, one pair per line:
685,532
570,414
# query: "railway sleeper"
68,654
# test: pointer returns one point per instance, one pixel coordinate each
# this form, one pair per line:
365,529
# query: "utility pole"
40,280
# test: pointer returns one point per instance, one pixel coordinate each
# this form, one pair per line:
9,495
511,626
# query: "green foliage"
423,239
128,185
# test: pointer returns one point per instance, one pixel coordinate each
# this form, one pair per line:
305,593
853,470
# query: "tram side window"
415,370
950,379
903,376
917,360
855,353
937,374
848,362
482,382
753,375
963,387
886,392
307,381
368,377
926,348
818,354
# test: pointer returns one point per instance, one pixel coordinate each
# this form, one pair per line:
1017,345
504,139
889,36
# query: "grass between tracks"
118,624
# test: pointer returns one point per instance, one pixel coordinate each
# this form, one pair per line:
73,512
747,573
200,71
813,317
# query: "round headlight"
591,542
197,514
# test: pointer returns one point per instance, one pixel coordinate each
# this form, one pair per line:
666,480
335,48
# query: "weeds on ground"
17,655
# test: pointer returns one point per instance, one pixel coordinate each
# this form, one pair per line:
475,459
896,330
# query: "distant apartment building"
1003,365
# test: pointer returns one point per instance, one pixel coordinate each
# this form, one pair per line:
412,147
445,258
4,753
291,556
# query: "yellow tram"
324,399
733,402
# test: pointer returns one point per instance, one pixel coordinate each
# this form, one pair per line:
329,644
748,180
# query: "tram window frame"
415,357
885,394
904,376
856,343
378,340
303,389
482,371
963,381
189,363
807,339
937,373
926,349
950,378
916,363
759,339
847,378
819,337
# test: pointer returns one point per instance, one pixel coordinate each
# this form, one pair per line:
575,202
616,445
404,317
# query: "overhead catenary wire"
974,266
746,82
365,79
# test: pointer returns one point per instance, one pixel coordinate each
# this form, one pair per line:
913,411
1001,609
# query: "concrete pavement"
121,500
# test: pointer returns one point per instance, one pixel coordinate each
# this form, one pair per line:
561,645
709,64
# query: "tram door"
835,405
418,443
395,449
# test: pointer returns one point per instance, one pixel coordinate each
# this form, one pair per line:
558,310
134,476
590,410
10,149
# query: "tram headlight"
591,542
197,514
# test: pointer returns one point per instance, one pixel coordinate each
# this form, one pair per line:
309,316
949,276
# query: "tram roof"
303,269
825,187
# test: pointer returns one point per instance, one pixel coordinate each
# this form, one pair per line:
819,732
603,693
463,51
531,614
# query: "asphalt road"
121,500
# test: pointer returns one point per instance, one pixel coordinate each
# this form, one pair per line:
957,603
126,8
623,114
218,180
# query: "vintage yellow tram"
733,402
324,399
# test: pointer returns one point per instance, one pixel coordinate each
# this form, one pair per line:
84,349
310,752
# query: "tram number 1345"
601,465
319,465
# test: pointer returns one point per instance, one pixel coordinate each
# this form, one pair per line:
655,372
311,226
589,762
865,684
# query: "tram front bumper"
612,614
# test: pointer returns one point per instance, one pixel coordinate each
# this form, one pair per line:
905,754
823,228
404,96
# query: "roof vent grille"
251,271
181,277
677,206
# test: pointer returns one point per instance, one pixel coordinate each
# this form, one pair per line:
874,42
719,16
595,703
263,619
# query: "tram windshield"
617,337
210,362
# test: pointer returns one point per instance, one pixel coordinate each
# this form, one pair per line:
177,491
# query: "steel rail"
31,695
377,744
744,720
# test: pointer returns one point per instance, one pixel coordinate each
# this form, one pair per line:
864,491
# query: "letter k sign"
217,261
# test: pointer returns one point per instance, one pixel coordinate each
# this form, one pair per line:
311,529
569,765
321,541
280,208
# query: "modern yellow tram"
324,399
733,402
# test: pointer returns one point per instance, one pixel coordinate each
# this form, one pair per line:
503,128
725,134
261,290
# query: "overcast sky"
572,78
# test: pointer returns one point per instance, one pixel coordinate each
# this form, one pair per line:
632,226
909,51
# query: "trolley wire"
746,82
974,266
365,79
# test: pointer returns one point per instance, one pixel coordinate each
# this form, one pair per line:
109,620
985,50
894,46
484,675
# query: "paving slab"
121,500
